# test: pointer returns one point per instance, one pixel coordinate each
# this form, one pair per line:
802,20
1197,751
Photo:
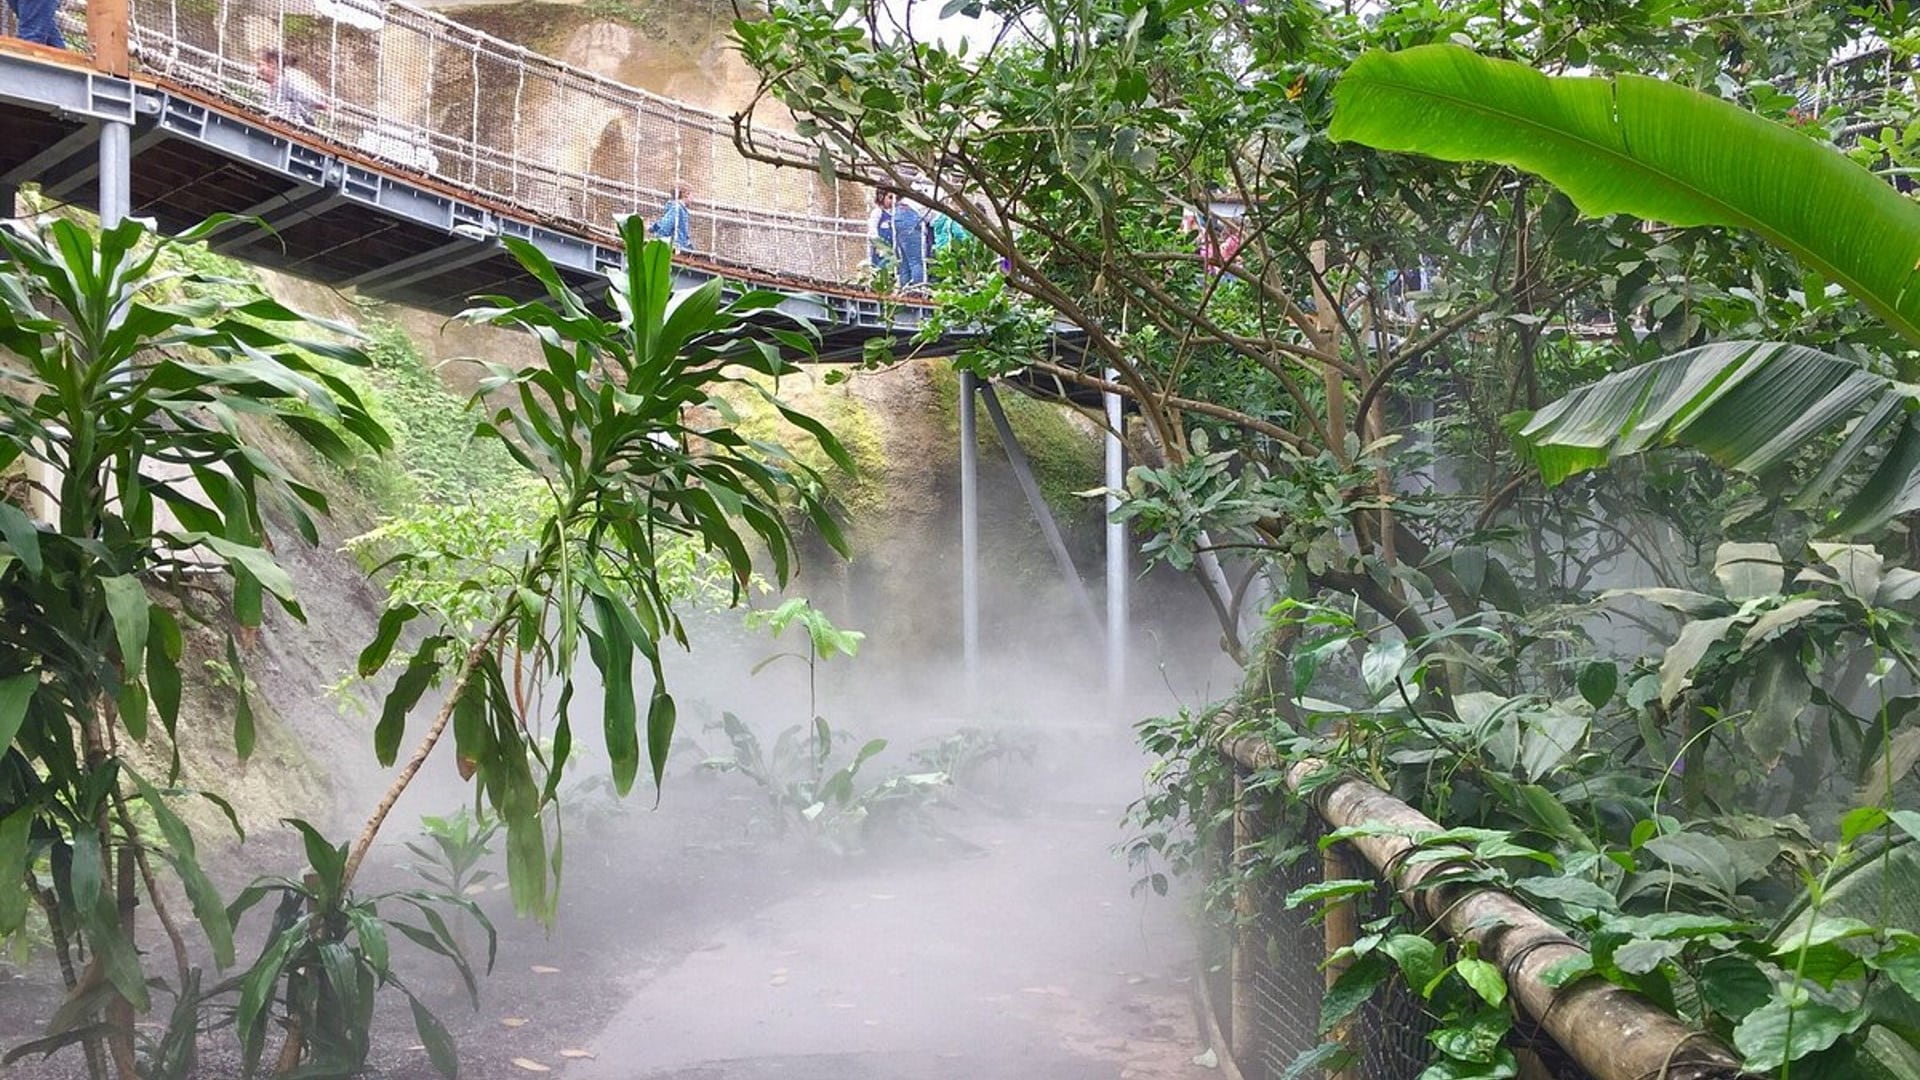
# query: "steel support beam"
1116,553
79,141
454,255
969,535
116,172
1023,472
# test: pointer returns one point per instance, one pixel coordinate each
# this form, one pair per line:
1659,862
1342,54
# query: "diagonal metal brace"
1023,472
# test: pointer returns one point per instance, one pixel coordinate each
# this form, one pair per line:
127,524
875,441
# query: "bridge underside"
332,218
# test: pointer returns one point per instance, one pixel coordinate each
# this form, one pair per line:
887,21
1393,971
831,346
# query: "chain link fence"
1267,967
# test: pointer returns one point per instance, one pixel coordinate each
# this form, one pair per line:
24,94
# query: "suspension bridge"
412,145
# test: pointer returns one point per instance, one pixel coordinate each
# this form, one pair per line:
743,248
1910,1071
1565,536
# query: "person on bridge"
676,223
290,92
880,231
36,22
910,243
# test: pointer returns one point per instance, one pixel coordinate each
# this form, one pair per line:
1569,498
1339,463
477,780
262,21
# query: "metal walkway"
416,144
343,217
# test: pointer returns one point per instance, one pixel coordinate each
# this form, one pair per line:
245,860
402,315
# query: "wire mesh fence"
1269,965
421,94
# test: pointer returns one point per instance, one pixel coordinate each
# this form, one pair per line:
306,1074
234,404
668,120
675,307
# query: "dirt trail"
1028,959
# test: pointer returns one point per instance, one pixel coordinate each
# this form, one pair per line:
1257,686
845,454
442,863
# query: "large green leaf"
1751,406
1650,148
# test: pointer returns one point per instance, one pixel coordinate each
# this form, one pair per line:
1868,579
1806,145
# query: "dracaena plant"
130,391
622,427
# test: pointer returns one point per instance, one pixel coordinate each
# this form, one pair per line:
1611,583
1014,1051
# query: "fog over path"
1026,960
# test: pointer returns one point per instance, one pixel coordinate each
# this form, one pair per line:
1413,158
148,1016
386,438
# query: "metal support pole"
1249,941
1049,530
1116,553
116,177
969,535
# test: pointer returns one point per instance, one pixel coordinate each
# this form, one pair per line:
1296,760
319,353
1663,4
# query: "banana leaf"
1649,148
1752,406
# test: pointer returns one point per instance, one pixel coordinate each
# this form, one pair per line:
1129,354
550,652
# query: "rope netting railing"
421,94
1269,966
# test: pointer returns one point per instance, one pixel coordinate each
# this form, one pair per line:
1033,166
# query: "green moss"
861,495
1065,460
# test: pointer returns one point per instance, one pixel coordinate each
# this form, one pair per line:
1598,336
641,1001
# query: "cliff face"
675,48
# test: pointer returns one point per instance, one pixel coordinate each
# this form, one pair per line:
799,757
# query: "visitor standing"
676,222
36,18
290,93
910,243
947,231
880,231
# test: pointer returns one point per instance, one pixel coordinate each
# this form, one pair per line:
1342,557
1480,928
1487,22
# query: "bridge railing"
422,94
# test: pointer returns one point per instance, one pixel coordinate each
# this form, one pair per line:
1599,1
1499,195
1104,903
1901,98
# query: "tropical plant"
622,424
811,788
807,783
460,842
327,955
1630,144
1656,150
622,427
133,391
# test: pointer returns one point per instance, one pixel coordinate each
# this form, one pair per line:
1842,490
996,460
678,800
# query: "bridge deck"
335,215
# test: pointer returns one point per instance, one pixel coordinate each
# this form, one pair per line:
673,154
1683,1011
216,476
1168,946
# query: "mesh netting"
1268,977
419,94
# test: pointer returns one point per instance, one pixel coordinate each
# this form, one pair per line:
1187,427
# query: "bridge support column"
1116,553
969,536
116,173
107,25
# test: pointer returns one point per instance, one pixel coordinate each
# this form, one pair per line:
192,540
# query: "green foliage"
1335,403
611,425
460,842
1752,406
442,462
126,398
812,780
1647,147
327,955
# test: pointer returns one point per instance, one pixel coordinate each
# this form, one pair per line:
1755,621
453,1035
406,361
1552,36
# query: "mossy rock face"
860,495
1064,450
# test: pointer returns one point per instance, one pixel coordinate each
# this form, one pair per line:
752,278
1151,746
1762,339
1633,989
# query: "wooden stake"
107,33
1340,930
1328,324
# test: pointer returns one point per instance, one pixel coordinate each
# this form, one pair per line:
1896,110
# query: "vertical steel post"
969,535
1116,553
107,33
1248,940
116,179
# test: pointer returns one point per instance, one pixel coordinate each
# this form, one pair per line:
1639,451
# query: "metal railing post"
969,537
1116,543
1243,990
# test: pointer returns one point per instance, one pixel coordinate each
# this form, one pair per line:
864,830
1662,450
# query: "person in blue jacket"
675,223
36,22
910,243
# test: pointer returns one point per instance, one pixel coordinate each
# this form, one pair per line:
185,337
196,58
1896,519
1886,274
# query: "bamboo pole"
1612,1033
